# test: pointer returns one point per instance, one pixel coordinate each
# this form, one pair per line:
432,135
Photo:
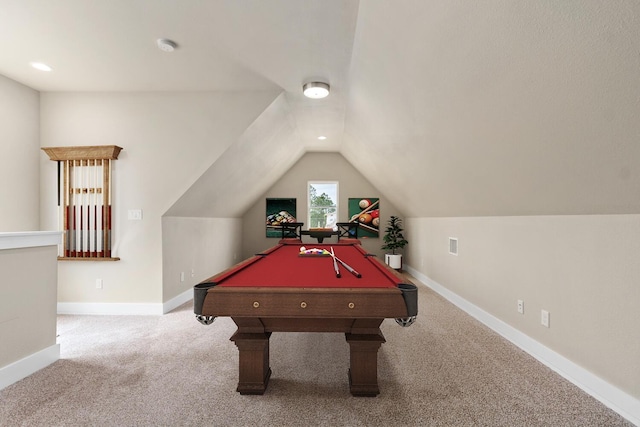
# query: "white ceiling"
226,45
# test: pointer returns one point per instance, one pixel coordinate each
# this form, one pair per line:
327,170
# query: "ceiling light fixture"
315,90
40,66
166,45
322,137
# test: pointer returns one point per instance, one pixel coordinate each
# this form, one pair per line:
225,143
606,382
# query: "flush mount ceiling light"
40,66
315,90
322,137
166,45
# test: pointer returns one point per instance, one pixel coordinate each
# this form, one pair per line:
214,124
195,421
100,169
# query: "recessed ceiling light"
40,66
315,90
322,137
166,45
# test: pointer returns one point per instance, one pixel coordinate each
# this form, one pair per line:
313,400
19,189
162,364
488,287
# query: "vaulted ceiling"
450,108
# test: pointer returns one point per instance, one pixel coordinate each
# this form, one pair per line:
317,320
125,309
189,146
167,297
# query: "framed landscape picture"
366,212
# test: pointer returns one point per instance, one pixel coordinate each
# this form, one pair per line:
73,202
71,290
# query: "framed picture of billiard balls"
366,212
279,211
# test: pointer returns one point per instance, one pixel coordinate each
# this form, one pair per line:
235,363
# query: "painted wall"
197,248
168,140
583,269
19,157
314,167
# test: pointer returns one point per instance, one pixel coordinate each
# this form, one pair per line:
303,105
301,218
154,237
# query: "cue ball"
365,218
364,203
375,222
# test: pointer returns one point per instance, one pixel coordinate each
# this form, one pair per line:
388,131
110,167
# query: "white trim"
320,182
24,367
118,309
611,396
29,239
177,301
124,309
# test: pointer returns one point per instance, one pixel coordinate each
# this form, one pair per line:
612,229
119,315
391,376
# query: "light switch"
135,214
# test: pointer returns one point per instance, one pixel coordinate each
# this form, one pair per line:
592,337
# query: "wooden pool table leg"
363,371
254,370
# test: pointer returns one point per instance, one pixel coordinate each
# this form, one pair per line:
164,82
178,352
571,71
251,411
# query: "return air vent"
453,245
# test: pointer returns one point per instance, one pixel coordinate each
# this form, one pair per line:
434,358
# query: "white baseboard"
177,301
24,367
611,396
124,309
120,309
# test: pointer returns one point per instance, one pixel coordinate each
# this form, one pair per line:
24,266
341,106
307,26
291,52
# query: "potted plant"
393,241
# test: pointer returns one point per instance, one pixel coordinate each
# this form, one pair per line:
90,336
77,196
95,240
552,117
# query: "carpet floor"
445,370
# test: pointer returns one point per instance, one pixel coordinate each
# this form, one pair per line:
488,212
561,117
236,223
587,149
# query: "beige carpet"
445,370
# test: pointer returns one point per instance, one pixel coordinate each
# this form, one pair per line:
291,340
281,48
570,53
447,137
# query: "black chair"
291,230
347,230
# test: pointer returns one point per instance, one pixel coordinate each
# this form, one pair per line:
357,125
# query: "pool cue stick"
345,265
101,252
60,212
73,209
99,209
82,205
335,264
59,182
90,174
66,209
85,212
95,209
82,202
368,227
78,224
107,251
79,211
371,206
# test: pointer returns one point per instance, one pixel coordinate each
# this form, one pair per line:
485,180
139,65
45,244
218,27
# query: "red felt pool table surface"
283,266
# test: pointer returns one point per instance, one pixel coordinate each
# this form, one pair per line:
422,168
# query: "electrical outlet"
193,272
544,318
520,306
98,283
182,276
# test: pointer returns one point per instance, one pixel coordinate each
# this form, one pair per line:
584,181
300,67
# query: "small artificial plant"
393,238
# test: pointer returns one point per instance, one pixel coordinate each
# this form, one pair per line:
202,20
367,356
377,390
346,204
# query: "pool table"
285,290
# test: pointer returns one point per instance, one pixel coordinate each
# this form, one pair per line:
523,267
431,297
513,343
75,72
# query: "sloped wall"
489,109
264,151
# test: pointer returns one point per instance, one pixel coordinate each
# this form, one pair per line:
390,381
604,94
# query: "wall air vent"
453,245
